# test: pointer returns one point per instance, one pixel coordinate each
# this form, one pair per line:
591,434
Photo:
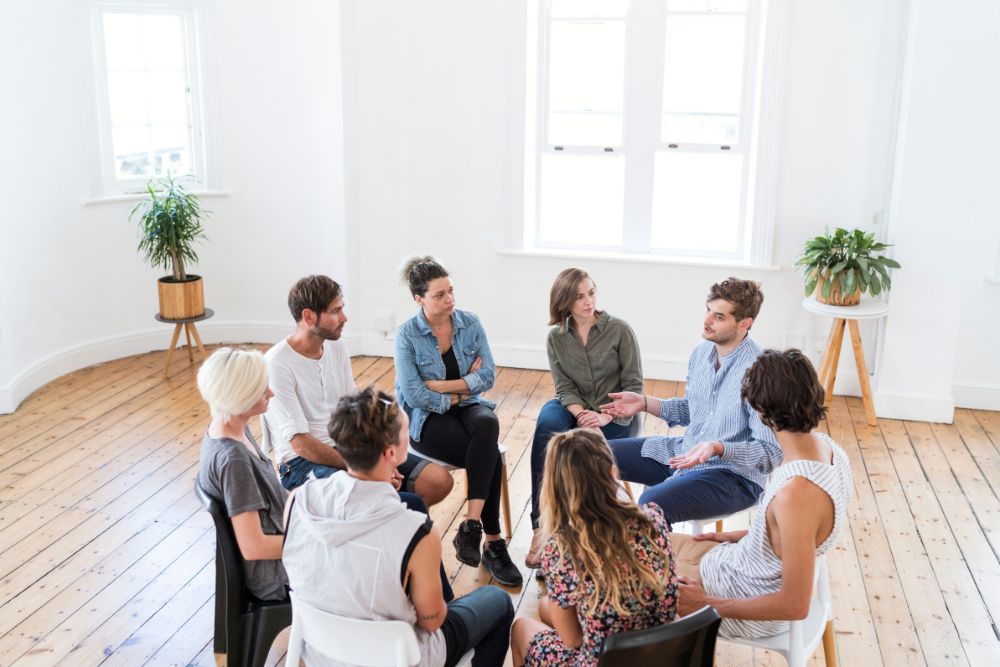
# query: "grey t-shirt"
245,482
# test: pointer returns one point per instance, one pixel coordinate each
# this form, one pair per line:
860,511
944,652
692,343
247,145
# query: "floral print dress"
568,588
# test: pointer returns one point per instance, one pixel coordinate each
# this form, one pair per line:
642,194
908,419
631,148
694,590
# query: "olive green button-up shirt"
609,363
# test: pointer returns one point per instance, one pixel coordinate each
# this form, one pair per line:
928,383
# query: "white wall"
431,141
419,140
74,291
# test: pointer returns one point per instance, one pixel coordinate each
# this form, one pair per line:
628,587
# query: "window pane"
696,201
586,75
167,98
582,199
703,77
164,42
123,41
589,8
706,5
127,97
171,150
131,148
585,129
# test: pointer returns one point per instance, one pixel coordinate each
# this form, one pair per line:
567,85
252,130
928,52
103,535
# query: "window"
150,116
646,128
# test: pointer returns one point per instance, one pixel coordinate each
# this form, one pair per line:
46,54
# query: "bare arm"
797,512
313,450
566,623
254,544
425,582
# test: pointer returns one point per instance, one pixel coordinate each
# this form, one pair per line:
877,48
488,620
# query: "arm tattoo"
429,617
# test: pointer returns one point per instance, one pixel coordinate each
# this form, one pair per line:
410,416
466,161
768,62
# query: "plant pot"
836,298
181,300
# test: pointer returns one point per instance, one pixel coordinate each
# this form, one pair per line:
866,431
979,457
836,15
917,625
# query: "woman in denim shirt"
443,364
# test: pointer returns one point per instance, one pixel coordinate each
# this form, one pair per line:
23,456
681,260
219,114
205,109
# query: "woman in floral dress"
607,563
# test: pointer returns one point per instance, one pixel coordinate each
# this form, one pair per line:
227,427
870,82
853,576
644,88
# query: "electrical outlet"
385,322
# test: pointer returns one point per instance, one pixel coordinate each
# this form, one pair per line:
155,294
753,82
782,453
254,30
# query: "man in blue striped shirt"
720,464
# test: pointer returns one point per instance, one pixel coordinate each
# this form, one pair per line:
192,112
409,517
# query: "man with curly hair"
720,464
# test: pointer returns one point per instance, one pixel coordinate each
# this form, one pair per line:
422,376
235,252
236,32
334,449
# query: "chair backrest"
635,427
237,596
351,640
265,435
686,642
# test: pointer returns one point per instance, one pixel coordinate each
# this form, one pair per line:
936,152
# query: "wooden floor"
107,558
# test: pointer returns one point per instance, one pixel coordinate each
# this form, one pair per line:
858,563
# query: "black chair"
245,626
687,642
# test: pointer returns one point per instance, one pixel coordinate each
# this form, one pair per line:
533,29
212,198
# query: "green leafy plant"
849,258
169,225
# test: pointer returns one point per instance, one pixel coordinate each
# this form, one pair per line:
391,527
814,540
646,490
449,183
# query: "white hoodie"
344,548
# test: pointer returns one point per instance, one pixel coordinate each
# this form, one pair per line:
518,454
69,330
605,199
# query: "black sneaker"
498,562
467,539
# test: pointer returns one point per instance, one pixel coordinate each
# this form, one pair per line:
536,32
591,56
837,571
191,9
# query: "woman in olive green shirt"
591,354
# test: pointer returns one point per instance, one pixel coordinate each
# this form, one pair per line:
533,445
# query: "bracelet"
645,403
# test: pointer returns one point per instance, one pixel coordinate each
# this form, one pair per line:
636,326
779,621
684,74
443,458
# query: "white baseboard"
977,395
74,357
938,408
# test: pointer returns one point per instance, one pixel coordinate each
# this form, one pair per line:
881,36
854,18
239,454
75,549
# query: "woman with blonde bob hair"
233,381
591,355
607,563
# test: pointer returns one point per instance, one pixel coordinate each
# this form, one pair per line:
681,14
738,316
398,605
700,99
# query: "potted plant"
841,266
169,225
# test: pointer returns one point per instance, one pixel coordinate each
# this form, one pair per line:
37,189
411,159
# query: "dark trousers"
466,437
698,494
554,418
481,621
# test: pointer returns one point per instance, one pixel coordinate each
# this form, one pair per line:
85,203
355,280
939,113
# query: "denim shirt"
418,359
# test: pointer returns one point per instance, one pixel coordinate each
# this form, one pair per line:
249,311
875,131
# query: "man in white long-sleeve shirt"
720,464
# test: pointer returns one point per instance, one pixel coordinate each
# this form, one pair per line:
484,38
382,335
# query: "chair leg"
505,499
265,626
829,645
219,645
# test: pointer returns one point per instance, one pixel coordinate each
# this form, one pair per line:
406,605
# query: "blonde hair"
593,525
232,380
562,296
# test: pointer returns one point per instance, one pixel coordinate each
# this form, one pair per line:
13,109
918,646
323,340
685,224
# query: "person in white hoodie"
353,549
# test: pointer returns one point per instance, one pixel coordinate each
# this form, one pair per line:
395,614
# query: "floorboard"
107,558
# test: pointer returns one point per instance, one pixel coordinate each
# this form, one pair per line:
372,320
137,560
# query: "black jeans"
466,437
481,621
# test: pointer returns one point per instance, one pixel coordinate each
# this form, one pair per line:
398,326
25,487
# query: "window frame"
765,44
194,15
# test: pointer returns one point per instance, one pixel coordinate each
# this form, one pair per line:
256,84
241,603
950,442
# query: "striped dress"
749,568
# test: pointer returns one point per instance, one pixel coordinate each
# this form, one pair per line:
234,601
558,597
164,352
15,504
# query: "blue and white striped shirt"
713,411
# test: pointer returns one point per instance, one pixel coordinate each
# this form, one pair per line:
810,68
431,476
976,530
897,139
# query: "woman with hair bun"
591,354
233,381
443,366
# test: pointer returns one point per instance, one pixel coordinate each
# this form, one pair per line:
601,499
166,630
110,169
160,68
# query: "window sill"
641,259
136,196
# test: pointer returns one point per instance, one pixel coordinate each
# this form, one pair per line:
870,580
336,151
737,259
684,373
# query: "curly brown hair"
363,425
745,295
783,388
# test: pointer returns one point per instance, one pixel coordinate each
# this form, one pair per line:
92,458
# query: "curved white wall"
73,289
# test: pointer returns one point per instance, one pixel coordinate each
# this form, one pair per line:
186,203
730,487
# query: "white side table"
847,316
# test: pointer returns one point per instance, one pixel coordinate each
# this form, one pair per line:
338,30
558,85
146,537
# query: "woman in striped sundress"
760,579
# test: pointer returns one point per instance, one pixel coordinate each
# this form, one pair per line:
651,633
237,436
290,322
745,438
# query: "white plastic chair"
504,491
353,641
799,642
